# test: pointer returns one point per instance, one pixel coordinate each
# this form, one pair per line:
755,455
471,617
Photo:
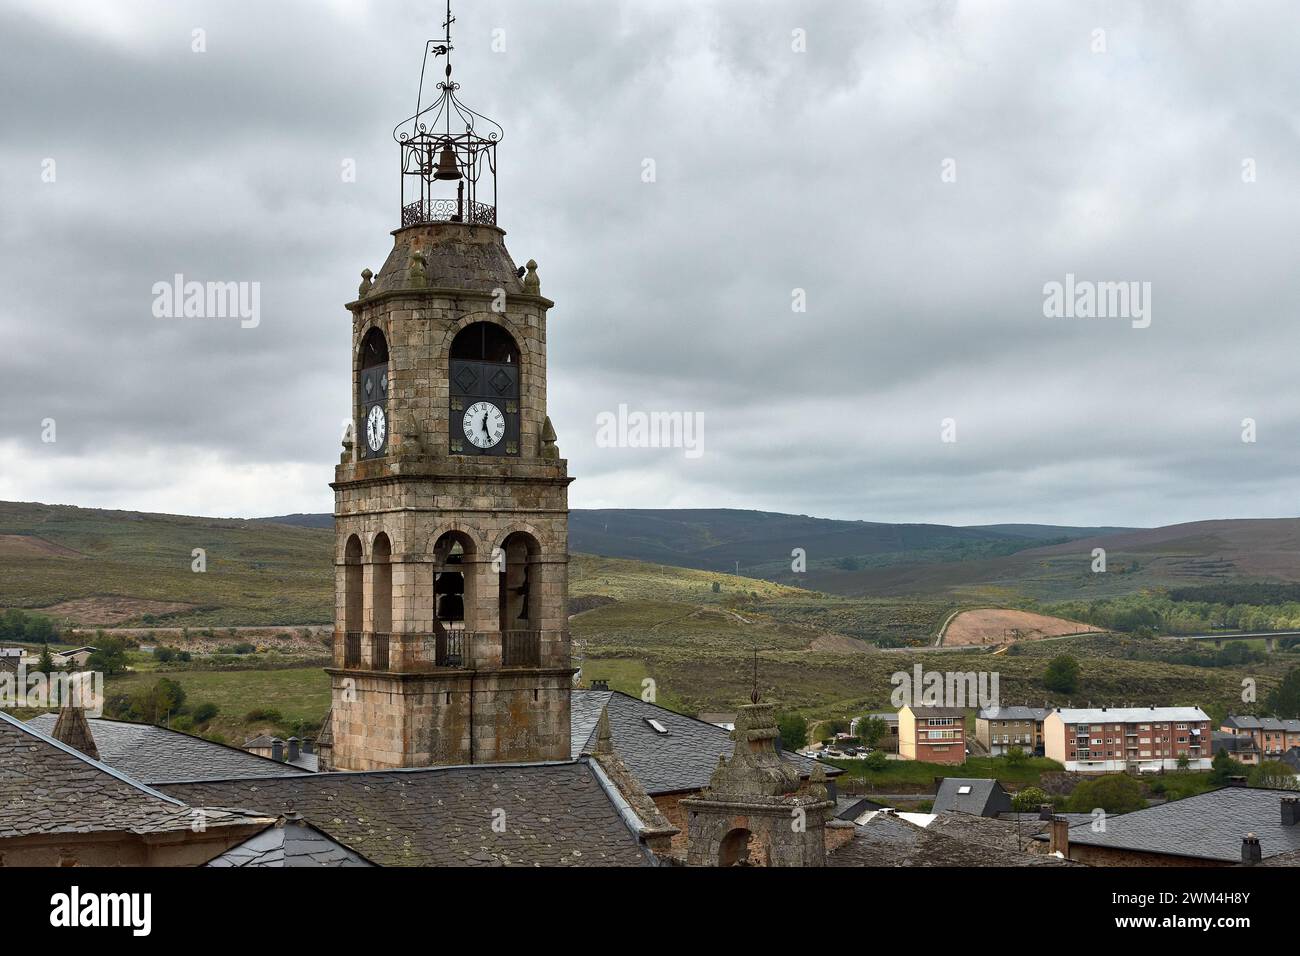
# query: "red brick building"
932,734
1111,739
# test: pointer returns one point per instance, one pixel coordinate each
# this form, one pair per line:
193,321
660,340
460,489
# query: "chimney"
1060,836
277,749
1290,811
1236,781
600,685
1250,850
293,749
1046,811
73,729
307,745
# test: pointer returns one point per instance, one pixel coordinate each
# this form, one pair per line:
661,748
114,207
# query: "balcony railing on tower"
459,649
379,652
352,649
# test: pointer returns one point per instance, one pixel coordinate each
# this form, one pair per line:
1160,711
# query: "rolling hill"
690,630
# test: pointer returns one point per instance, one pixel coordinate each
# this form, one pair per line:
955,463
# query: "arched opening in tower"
452,584
381,585
517,587
372,395
352,583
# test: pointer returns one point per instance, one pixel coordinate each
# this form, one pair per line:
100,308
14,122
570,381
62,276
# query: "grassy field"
640,621
298,694
907,776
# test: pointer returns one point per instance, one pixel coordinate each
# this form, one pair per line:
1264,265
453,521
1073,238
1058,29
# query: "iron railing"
379,652
521,648
352,649
448,210
449,649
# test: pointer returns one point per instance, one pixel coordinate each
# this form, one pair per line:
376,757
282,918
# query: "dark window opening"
484,342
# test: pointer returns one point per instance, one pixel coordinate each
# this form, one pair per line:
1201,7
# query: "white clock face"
376,428
484,425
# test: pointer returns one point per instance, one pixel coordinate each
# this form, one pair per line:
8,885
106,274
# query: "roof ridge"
182,733
357,773
98,765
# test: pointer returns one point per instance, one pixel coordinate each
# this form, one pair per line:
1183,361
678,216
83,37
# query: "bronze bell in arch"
447,166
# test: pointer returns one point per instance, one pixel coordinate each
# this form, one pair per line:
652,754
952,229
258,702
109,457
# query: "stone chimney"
277,749
73,729
306,745
1236,781
1046,811
1060,836
1290,811
600,685
1251,851
293,749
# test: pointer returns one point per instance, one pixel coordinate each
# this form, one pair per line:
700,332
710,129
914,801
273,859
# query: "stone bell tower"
451,500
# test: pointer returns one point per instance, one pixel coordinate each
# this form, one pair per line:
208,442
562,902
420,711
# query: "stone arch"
455,555
734,848
353,555
372,388
517,559
381,584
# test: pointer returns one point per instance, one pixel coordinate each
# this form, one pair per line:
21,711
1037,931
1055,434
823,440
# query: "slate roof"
983,798
1013,713
1233,743
850,808
1292,759
157,755
1207,826
289,843
47,787
1128,715
682,759
1251,722
951,840
924,712
556,814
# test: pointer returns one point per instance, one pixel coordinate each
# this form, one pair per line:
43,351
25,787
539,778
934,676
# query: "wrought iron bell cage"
433,191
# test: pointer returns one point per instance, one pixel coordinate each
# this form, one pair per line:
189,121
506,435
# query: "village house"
1272,736
1111,739
1231,826
1001,728
888,742
932,734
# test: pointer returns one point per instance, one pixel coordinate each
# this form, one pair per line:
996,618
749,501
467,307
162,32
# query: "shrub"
1062,674
1113,792
793,729
263,714
204,712
1029,800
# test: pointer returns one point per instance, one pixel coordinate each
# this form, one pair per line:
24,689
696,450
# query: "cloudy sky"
915,172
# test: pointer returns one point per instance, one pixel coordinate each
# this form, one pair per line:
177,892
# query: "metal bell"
447,166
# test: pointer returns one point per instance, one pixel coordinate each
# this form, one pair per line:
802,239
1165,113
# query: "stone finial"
604,739
73,729
416,272
346,456
549,449
364,288
816,786
409,430
532,284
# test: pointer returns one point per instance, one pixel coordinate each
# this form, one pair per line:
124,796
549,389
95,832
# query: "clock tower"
451,499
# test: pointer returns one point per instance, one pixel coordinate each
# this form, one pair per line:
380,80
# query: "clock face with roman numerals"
376,428
484,425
